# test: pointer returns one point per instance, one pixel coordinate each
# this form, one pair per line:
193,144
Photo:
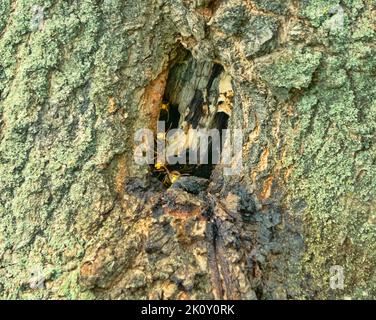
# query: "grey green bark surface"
79,219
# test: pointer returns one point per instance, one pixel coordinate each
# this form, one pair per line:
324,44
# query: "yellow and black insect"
168,177
165,173
164,112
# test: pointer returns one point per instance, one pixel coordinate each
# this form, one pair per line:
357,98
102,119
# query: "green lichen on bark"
49,80
291,70
73,76
333,156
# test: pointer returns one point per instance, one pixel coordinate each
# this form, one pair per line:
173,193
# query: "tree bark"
81,220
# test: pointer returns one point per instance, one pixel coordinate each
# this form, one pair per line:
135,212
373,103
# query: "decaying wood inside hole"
198,95
200,90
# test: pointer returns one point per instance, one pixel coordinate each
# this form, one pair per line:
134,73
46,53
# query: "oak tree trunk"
81,220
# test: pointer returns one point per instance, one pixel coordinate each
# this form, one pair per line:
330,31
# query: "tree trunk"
81,219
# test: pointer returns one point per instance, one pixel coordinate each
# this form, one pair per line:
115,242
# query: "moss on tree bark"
78,219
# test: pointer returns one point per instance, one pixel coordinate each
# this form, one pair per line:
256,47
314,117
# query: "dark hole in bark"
195,109
171,117
221,122
191,101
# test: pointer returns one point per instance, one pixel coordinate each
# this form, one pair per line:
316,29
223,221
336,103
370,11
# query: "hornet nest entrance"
198,97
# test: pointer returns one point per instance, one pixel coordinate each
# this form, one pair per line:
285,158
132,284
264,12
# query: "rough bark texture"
79,219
